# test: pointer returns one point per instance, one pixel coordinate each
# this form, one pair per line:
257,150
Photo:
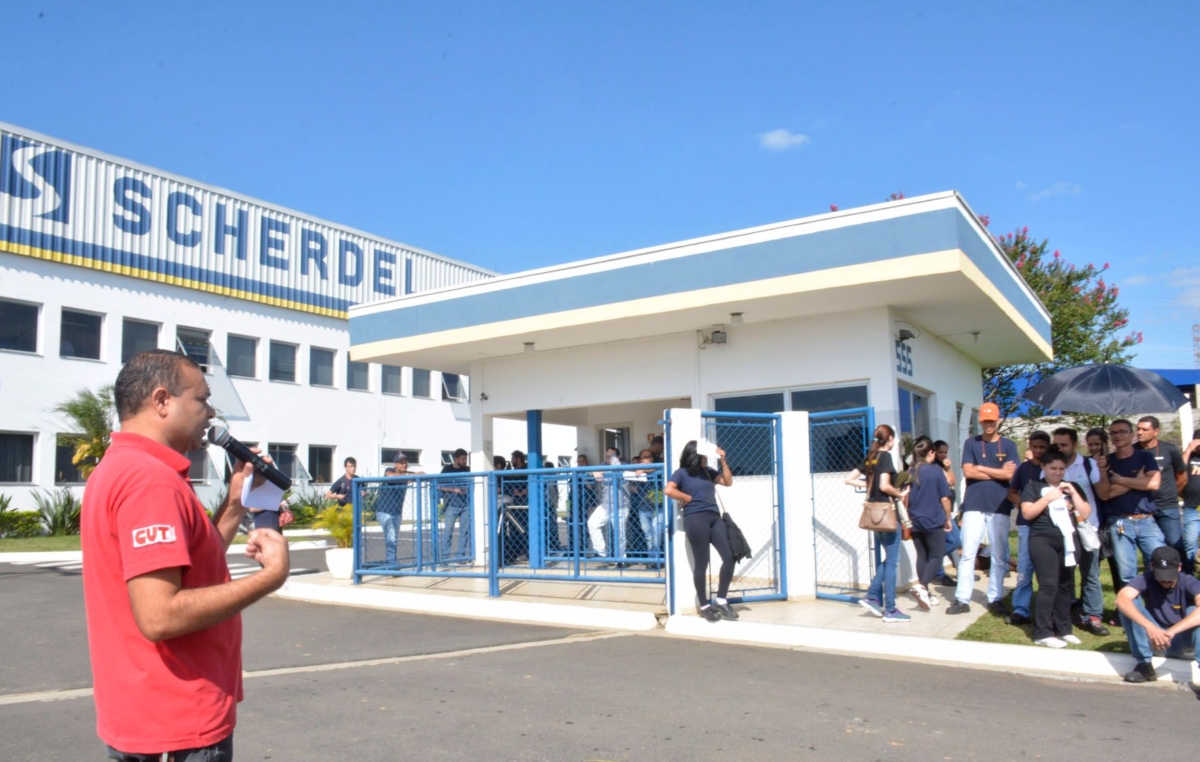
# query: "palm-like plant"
91,414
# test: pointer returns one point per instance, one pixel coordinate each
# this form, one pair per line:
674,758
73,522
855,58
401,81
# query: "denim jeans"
221,751
1171,524
1091,595
953,538
390,524
1139,639
1023,594
652,529
883,584
462,515
1130,535
975,525
1191,535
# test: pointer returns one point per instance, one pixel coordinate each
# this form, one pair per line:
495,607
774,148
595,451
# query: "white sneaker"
1051,642
933,599
918,594
1072,639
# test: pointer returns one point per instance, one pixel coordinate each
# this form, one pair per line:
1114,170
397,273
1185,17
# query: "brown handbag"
877,516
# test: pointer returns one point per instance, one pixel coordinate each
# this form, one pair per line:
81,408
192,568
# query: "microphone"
219,435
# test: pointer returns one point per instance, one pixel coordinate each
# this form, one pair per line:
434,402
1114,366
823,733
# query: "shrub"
59,510
306,505
20,524
338,520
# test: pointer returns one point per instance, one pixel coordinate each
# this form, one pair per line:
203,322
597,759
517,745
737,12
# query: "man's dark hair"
939,444
1154,422
460,452
1053,455
1125,421
615,451
499,463
1067,431
145,372
518,454
1039,436
349,462
657,439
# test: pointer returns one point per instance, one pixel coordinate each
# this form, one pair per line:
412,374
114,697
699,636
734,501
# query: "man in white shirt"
1093,481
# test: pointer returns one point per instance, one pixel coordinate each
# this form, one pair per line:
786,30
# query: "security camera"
718,336
905,335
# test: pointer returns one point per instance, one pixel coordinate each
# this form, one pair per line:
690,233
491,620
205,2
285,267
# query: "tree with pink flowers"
1087,325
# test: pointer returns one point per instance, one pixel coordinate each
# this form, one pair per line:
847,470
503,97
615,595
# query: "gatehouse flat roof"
928,257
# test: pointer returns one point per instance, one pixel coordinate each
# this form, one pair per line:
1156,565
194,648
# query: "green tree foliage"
1087,325
91,416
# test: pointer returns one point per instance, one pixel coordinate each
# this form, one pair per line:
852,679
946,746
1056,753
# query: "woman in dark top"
694,486
877,475
929,512
1052,507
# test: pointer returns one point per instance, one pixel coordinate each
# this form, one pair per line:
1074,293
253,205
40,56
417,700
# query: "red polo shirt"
140,515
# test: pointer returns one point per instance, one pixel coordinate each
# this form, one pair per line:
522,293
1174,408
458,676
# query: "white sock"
720,601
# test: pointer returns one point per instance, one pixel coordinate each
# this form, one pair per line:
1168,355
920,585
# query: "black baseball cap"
1165,563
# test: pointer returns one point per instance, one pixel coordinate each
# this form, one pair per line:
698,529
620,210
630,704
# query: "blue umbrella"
1107,389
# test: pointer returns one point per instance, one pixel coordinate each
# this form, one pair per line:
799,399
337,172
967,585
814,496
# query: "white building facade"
101,258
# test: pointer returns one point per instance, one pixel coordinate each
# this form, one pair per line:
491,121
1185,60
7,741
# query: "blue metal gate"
843,553
753,444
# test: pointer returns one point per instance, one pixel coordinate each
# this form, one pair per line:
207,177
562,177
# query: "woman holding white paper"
1052,507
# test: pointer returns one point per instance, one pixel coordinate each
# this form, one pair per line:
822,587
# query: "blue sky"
517,135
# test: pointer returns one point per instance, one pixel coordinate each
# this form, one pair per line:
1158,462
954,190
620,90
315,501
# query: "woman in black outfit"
1053,507
694,486
929,512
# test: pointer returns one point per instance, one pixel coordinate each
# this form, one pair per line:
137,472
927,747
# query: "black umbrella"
1107,389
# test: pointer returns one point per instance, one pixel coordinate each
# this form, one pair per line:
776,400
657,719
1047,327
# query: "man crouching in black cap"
1160,610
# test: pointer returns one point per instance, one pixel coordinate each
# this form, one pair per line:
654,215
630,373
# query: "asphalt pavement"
336,682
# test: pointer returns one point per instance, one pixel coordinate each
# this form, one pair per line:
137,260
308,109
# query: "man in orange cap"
988,462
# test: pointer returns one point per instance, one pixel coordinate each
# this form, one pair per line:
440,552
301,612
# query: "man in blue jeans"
1160,611
456,509
1022,598
1133,477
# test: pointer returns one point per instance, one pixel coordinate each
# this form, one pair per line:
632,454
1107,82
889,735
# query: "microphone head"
218,435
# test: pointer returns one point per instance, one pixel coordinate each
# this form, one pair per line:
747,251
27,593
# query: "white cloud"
1137,280
782,140
1060,188
1186,280
1022,185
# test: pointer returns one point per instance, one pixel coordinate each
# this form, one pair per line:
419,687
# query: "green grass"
36,544
990,628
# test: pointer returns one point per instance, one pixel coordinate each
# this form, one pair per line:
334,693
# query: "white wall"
354,422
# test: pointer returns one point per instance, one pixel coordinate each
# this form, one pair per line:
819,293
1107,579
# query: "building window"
282,363
320,367
452,388
198,470
18,326
357,375
447,457
914,418
828,399
391,379
16,458
387,456
136,337
193,342
564,461
320,463
240,359
286,461
80,335
420,385
65,472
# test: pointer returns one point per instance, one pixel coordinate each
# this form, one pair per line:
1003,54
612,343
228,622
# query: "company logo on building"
37,173
153,534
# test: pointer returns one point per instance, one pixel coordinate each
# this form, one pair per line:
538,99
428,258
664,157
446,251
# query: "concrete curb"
567,615
1088,665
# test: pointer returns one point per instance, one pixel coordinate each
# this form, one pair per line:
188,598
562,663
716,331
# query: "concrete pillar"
481,461
798,533
683,425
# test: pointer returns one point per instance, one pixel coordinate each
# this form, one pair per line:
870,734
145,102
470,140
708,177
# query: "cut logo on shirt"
153,534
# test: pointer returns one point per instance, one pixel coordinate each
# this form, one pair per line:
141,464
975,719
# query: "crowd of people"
1125,492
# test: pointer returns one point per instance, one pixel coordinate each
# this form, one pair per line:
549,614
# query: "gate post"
798,542
683,425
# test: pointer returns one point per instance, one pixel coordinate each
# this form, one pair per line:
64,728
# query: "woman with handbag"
1053,507
694,487
929,510
876,476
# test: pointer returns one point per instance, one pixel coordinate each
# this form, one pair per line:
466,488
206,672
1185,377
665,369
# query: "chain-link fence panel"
752,447
838,441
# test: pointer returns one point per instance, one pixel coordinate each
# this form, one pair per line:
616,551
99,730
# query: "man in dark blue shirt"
989,461
340,490
1133,478
456,509
389,506
1160,610
1022,599
1173,478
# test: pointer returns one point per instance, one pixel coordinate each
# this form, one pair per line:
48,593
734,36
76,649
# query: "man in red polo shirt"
164,632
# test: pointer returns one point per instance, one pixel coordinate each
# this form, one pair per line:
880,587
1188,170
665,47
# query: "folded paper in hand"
264,497
708,450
